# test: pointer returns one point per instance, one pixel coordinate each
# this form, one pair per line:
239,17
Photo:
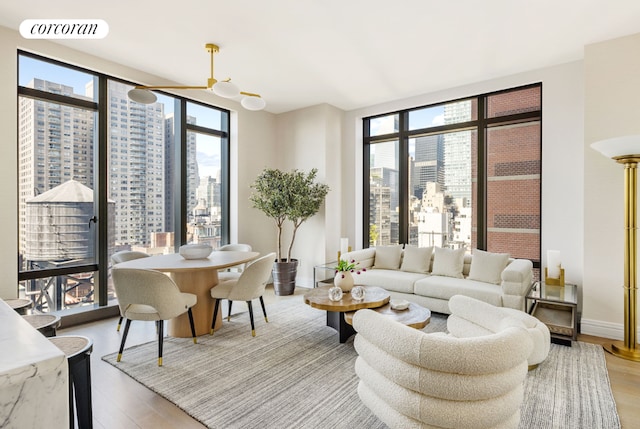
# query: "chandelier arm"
170,87
250,94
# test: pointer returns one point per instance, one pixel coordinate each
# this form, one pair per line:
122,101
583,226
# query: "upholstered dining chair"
232,273
249,286
124,256
150,295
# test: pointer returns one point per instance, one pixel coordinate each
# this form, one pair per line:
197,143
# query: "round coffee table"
319,298
415,316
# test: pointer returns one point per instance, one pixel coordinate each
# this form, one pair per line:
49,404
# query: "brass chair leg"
160,325
124,338
119,323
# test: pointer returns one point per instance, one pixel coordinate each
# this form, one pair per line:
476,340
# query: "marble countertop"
33,375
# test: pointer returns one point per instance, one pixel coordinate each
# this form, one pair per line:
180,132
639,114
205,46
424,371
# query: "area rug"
295,374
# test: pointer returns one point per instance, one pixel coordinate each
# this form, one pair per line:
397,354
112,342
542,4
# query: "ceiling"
347,53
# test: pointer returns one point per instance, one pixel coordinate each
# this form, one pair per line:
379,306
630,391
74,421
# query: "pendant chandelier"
225,88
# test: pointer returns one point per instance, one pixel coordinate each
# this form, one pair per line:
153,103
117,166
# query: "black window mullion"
481,177
180,178
366,185
226,185
101,181
403,169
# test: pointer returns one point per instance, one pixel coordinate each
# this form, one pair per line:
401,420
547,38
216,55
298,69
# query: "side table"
556,307
326,272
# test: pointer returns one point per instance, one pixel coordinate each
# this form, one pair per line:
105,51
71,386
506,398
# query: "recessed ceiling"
347,53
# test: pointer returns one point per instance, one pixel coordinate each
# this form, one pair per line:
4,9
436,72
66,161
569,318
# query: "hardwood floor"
624,376
120,402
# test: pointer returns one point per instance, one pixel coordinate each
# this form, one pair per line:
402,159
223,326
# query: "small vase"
335,293
344,280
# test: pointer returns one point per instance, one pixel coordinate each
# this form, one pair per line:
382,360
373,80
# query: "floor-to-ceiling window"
99,173
464,173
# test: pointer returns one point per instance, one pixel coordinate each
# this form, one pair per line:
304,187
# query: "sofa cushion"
487,267
448,262
391,280
388,257
442,287
416,259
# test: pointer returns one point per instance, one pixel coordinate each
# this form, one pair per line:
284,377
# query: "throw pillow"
487,267
416,259
448,262
388,257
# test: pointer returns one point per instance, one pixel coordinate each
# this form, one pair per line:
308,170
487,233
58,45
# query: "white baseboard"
598,328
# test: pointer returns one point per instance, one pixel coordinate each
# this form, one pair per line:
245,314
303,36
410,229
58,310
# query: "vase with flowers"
344,274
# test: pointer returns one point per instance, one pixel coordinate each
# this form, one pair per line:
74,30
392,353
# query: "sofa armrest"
516,281
363,257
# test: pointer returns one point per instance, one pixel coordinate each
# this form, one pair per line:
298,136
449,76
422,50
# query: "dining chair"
249,286
124,256
227,273
150,295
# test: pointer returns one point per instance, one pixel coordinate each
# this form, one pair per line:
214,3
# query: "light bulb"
226,89
143,96
252,102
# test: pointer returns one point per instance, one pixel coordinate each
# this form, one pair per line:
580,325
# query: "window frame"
481,124
103,107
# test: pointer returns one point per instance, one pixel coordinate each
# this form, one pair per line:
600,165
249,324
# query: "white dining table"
195,276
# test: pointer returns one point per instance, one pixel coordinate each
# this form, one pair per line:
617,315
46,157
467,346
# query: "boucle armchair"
473,318
411,379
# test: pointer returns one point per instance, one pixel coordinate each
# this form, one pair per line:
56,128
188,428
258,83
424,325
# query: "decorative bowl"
195,251
399,304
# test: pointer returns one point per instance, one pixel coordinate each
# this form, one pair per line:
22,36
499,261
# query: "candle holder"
554,282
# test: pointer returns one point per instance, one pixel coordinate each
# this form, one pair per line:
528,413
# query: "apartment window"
459,174
125,176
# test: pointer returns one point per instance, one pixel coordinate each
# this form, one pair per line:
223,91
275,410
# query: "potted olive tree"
287,196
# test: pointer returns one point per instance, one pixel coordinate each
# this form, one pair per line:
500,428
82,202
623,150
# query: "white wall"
310,138
612,108
253,140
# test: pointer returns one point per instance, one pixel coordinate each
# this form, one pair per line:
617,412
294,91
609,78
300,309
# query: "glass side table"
323,274
556,307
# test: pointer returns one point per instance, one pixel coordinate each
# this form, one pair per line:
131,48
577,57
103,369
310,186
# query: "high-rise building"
457,151
428,164
136,166
55,145
170,169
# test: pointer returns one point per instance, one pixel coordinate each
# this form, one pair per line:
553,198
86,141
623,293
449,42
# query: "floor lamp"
626,150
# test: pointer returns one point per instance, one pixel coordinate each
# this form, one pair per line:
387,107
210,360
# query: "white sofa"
430,276
409,379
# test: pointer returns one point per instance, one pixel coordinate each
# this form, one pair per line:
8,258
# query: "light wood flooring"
122,403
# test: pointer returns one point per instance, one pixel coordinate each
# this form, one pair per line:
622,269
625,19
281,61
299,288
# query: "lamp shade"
619,147
225,89
143,96
251,102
